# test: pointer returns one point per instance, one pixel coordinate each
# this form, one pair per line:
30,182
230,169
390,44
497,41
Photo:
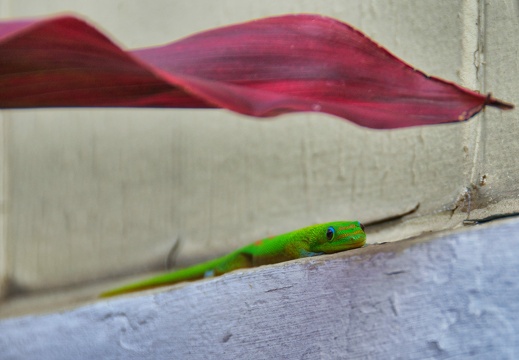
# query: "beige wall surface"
93,193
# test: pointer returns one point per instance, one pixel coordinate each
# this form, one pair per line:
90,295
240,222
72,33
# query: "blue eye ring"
330,233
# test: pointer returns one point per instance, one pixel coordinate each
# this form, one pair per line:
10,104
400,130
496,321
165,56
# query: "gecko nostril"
362,226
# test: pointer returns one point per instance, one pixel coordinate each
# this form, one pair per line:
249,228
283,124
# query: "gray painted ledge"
444,296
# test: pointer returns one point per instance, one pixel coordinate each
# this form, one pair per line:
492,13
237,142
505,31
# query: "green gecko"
313,240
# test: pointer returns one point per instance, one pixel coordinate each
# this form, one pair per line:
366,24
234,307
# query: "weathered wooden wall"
91,194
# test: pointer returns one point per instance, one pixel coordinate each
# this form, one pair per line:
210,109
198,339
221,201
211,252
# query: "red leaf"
259,68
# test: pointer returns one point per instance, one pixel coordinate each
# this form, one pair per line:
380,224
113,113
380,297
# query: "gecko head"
337,236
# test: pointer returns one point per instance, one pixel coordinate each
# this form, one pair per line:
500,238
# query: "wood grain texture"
438,297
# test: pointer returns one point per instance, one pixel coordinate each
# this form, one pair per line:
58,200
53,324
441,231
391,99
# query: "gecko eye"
330,233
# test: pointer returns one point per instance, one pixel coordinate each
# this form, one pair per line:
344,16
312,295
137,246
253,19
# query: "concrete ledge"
449,296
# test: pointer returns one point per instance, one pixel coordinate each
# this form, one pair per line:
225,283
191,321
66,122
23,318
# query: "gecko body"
313,240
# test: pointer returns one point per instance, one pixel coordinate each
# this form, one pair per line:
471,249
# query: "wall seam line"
471,75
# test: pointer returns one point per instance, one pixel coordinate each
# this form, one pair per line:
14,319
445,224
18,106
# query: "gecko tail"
195,272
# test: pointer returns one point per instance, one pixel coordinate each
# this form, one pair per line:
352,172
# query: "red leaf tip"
490,101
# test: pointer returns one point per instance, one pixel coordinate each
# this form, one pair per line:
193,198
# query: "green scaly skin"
313,240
